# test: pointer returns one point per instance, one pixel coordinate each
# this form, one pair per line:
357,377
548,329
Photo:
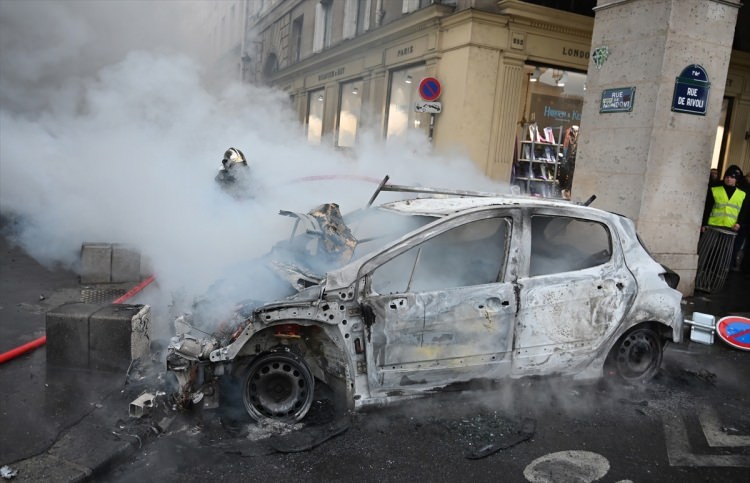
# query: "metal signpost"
429,90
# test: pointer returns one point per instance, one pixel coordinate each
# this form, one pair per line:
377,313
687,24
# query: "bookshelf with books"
539,160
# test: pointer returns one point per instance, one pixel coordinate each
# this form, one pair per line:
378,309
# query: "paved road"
690,424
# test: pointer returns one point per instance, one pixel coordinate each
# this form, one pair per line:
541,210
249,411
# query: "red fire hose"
30,346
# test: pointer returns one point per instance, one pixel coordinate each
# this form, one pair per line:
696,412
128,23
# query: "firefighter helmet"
233,157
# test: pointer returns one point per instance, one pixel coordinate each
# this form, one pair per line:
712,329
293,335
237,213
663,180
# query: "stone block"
101,337
68,334
126,264
118,334
96,263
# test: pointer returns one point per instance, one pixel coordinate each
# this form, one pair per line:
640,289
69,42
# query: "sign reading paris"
691,90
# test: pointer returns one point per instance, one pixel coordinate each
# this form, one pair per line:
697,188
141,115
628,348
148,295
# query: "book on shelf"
549,135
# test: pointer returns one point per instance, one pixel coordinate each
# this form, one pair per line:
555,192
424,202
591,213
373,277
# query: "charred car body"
424,293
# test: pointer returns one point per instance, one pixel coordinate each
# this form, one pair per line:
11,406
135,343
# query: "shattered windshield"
323,239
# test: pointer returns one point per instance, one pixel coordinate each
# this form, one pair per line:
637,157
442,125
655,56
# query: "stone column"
510,81
652,163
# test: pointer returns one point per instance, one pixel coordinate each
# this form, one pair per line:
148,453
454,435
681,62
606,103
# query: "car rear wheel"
636,357
279,386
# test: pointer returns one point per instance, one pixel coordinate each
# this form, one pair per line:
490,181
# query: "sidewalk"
733,299
70,425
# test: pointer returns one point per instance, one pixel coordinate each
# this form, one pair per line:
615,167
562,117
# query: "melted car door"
442,312
577,290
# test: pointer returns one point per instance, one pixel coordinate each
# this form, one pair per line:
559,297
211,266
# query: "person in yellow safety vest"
726,205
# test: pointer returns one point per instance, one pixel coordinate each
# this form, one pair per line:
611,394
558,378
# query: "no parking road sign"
735,331
429,89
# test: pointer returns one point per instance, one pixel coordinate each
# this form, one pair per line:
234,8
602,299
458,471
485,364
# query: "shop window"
403,94
350,109
315,108
553,104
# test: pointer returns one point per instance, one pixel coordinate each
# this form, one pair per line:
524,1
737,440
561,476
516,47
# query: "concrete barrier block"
126,264
118,334
96,263
68,334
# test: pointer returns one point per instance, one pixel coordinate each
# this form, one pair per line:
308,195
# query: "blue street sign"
691,91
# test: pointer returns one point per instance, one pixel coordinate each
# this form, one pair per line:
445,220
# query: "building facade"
502,66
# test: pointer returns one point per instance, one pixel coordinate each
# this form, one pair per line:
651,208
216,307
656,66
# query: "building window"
356,17
350,19
350,109
271,65
409,6
363,15
323,25
295,43
315,108
403,94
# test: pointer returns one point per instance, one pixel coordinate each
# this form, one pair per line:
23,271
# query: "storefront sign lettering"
555,111
617,100
561,115
331,74
405,51
579,53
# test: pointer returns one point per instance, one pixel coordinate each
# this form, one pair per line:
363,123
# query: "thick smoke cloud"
109,133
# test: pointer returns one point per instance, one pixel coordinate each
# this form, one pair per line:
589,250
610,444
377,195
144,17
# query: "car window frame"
435,228
592,217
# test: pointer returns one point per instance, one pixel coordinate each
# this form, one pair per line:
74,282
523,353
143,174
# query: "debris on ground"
703,375
7,472
311,437
634,403
525,433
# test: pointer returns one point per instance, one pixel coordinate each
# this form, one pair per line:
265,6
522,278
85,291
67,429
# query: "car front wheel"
279,386
636,357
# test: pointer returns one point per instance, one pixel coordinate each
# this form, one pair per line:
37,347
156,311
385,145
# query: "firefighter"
234,175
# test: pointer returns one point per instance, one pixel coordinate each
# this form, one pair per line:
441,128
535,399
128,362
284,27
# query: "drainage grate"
101,295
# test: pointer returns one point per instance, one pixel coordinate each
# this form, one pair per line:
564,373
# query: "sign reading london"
617,100
691,90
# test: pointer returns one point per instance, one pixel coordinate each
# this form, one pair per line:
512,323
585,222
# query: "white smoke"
108,133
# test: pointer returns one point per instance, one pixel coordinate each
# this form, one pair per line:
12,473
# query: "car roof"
443,206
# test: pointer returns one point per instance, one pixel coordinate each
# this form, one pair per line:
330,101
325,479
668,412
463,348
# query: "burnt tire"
637,355
278,386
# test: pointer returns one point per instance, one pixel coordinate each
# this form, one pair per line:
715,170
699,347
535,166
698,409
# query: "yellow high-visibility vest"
725,210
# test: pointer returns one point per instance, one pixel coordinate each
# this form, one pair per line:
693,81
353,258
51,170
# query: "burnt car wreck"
401,299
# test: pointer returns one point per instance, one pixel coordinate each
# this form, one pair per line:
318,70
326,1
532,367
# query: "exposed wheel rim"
278,386
638,355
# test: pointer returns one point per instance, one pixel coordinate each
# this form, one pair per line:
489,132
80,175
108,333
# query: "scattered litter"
41,297
310,438
730,430
7,472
